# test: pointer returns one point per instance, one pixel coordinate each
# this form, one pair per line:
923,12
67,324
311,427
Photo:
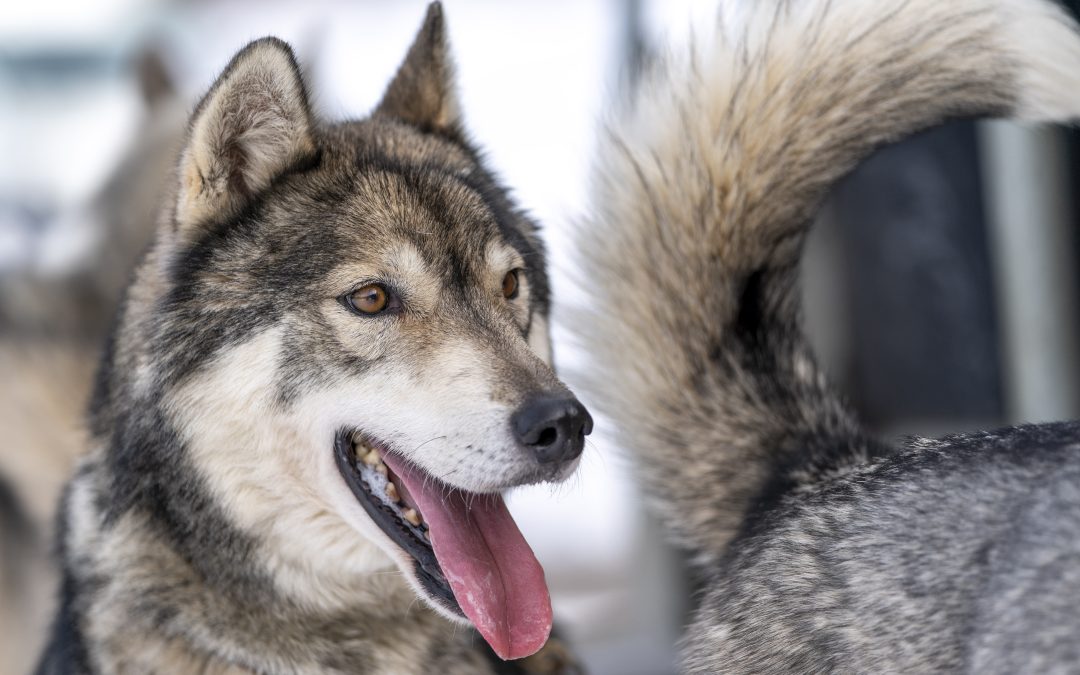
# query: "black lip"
427,566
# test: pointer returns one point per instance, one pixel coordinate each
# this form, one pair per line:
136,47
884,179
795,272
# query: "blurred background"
942,281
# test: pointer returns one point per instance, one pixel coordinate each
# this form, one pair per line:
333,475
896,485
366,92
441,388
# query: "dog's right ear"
252,127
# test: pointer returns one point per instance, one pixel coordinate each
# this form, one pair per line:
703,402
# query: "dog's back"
958,554
828,550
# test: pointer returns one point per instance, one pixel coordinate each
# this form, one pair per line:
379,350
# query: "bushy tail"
703,193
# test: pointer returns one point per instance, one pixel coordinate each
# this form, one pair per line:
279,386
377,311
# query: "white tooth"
392,493
373,458
412,516
380,468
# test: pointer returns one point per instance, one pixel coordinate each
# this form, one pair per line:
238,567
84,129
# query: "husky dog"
824,550
331,362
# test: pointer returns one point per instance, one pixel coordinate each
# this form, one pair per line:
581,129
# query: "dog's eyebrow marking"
405,260
406,265
502,257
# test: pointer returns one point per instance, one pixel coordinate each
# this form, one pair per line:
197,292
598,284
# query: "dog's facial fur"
239,361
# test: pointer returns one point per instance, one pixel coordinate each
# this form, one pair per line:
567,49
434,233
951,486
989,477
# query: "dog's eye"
370,299
510,285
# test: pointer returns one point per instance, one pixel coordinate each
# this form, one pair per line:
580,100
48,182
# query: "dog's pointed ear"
423,91
252,127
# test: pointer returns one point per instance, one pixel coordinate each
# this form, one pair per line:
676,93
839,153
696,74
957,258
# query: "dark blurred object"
924,341
155,82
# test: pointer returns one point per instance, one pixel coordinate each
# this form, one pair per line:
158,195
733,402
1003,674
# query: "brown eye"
510,285
370,299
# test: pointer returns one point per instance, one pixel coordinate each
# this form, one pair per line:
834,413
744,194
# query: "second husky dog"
49,357
331,362
825,550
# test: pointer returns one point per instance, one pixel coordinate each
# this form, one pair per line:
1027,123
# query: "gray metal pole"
1025,172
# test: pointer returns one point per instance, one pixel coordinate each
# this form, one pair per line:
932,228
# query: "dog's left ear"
250,129
423,93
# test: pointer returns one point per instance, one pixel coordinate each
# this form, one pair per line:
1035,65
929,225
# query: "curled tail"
703,193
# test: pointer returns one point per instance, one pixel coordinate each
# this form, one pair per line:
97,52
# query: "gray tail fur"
703,193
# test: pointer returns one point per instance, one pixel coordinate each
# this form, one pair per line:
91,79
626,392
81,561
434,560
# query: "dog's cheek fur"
276,479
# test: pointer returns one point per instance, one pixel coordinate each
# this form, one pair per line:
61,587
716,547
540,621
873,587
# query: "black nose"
553,429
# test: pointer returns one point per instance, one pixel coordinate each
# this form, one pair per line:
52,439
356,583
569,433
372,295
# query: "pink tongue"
494,574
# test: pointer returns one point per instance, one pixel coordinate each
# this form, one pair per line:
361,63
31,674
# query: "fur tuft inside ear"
252,127
422,93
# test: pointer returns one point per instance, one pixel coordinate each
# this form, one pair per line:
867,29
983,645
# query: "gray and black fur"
192,538
824,550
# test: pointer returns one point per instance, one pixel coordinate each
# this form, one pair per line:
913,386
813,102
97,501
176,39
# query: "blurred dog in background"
52,329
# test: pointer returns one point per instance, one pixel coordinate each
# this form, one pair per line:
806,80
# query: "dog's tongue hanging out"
494,574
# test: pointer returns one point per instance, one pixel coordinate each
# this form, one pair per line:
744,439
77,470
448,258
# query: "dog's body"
326,309
824,550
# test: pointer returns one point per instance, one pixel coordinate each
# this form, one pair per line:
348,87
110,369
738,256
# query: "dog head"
350,322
